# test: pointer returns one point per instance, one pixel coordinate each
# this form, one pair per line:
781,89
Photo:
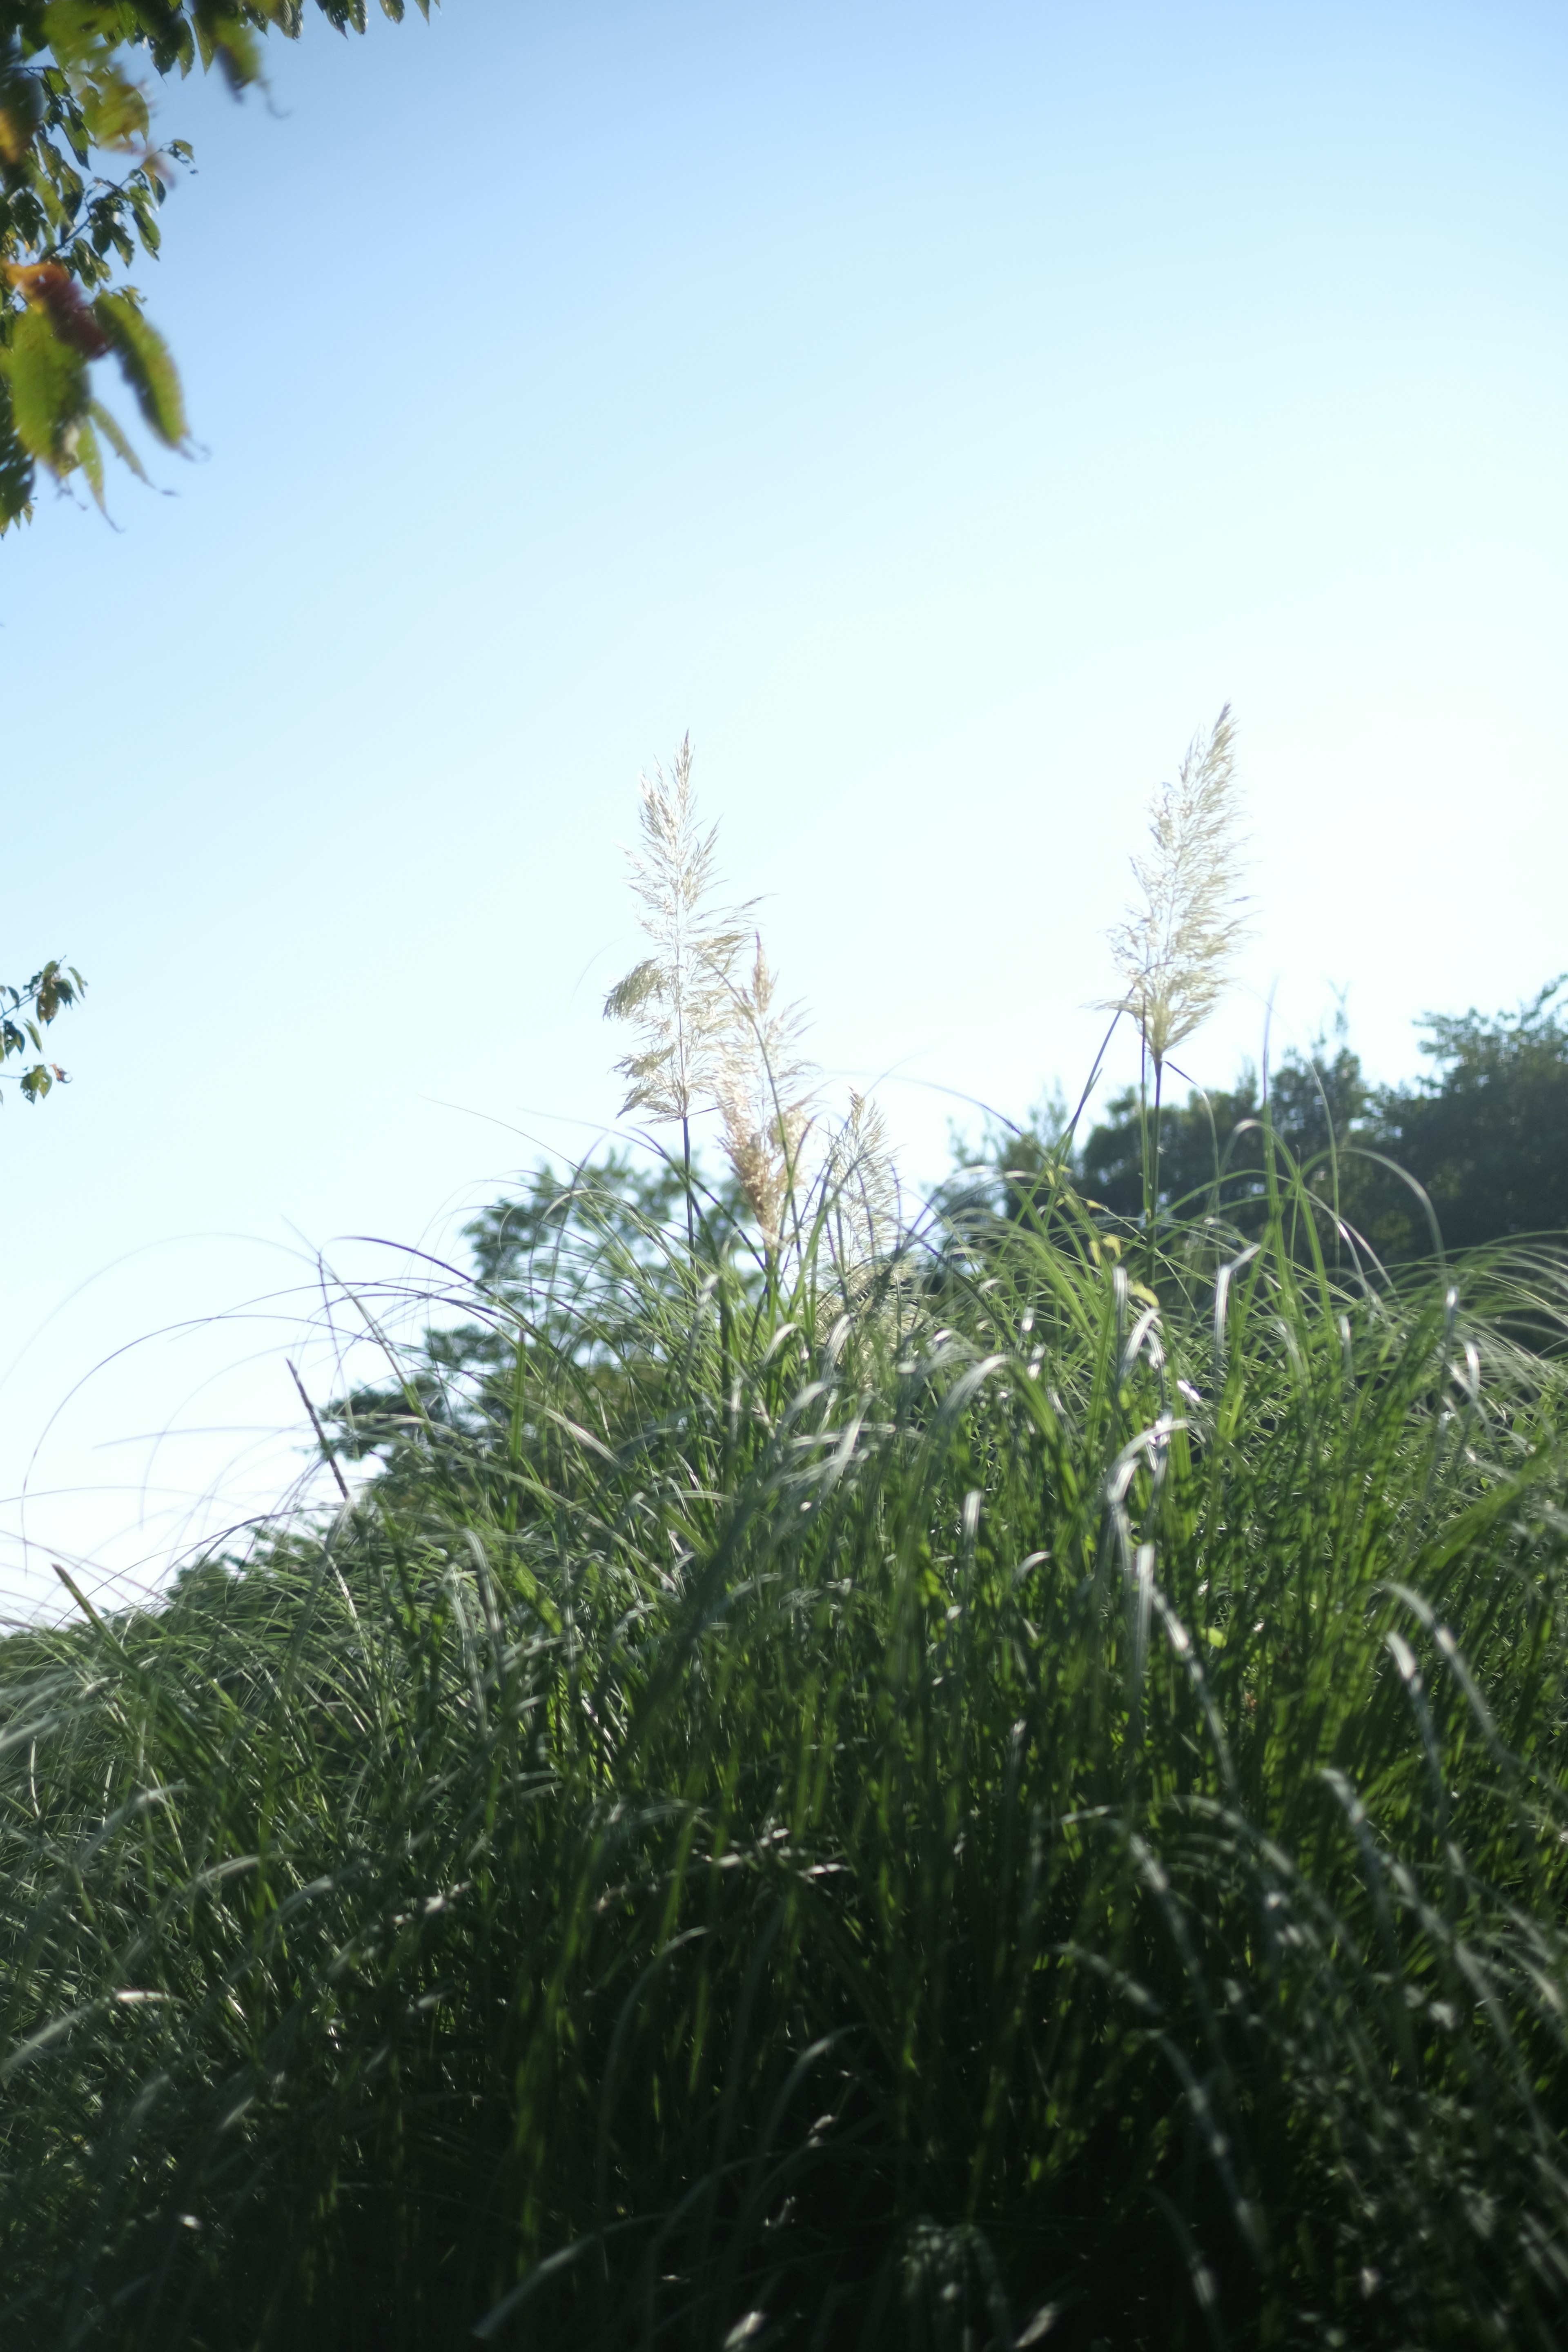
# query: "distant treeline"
1484,1135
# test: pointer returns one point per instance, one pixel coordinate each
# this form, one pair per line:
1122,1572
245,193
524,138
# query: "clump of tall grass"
845,1785
920,1812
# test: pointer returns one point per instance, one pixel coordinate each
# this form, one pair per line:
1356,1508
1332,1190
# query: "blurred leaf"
16,476
48,287
49,389
224,39
115,111
124,449
147,365
89,457
21,114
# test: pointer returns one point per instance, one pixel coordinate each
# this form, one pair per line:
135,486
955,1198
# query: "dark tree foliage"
1485,1136
1474,1152
553,1268
81,183
1212,1148
529,1273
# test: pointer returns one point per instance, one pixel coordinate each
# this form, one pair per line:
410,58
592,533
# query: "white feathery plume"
862,1189
766,1092
1173,949
681,996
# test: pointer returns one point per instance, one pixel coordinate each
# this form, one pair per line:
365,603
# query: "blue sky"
941,412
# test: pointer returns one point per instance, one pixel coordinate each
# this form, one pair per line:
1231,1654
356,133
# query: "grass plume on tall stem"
1175,945
711,1040
766,1092
681,997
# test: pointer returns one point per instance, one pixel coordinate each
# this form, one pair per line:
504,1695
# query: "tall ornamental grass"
951,1799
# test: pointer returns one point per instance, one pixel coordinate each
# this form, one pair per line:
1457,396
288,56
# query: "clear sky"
941,411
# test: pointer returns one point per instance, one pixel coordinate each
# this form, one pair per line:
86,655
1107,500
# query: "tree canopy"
1474,1151
1487,1136
81,183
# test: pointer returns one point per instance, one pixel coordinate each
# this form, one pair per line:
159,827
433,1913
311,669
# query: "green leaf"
114,111
89,457
49,390
229,43
56,986
16,472
21,113
148,368
109,428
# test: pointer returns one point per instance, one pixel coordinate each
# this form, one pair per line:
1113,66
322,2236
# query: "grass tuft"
960,1799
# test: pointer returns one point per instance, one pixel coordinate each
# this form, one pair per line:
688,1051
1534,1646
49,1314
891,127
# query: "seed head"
766,1091
680,997
862,1190
1173,949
